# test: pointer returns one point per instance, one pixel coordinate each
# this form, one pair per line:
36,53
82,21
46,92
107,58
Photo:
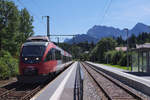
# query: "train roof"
38,38
35,43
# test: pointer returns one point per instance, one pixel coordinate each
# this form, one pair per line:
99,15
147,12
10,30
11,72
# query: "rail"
112,88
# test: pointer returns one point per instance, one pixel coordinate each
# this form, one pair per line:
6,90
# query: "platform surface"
61,88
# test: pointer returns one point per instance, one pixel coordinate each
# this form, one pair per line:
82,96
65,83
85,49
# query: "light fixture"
37,58
25,58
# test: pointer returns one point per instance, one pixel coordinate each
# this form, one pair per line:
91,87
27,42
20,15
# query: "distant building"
145,45
121,48
86,52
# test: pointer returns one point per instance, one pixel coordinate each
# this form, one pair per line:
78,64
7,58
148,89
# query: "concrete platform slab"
61,88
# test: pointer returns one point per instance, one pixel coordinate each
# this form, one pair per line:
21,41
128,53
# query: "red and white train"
40,58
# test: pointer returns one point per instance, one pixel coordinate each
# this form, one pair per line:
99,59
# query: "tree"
143,37
15,26
104,45
9,23
26,27
132,41
120,41
114,56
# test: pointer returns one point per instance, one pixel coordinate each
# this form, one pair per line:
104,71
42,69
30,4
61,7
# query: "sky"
72,17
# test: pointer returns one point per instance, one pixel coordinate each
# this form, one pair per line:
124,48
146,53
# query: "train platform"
138,82
61,88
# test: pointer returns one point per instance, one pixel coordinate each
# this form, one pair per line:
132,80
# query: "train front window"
33,50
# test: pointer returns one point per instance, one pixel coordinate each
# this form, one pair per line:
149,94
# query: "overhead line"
62,35
24,6
105,12
33,14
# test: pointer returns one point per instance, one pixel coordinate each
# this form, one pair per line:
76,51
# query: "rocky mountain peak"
97,32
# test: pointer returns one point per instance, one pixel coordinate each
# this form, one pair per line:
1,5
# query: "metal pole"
48,32
127,50
58,40
48,28
107,51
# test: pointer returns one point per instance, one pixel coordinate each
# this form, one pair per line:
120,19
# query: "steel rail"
116,82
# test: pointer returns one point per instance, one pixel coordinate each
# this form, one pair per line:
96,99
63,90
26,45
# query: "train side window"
64,58
49,56
53,54
58,55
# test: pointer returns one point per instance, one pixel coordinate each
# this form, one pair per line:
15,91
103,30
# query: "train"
40,59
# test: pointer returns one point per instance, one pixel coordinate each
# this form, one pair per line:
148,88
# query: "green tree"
114,56
15,28
104,45
143,37
76,51
132,41
120,41
9,23
8,65
26,27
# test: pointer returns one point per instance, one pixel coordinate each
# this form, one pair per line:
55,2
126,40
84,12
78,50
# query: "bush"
123,60
116,57
8,65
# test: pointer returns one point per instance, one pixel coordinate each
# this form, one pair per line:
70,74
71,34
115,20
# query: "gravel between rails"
91,90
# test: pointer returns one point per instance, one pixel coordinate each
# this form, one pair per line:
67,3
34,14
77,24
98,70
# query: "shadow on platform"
139,73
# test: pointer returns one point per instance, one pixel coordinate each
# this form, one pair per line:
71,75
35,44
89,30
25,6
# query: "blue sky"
77,16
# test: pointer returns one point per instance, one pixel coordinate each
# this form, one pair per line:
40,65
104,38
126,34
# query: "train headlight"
25,58
37,58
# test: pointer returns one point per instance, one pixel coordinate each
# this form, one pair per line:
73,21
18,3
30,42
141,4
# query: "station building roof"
121,48
142,47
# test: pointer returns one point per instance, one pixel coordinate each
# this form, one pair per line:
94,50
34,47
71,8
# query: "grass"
118,66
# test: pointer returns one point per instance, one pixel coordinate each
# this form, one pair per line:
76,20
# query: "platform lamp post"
126,29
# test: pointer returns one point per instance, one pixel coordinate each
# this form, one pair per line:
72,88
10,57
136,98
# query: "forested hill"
15,27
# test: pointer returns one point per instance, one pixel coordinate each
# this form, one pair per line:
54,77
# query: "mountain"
139,28
103,31
97,32
66,40
82,38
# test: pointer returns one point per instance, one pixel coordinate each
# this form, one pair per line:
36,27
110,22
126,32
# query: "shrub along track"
112,88
19,91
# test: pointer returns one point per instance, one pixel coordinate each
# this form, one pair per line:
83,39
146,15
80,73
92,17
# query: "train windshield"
33,50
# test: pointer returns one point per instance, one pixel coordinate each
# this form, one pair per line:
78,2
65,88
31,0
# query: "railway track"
19,91
112,88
